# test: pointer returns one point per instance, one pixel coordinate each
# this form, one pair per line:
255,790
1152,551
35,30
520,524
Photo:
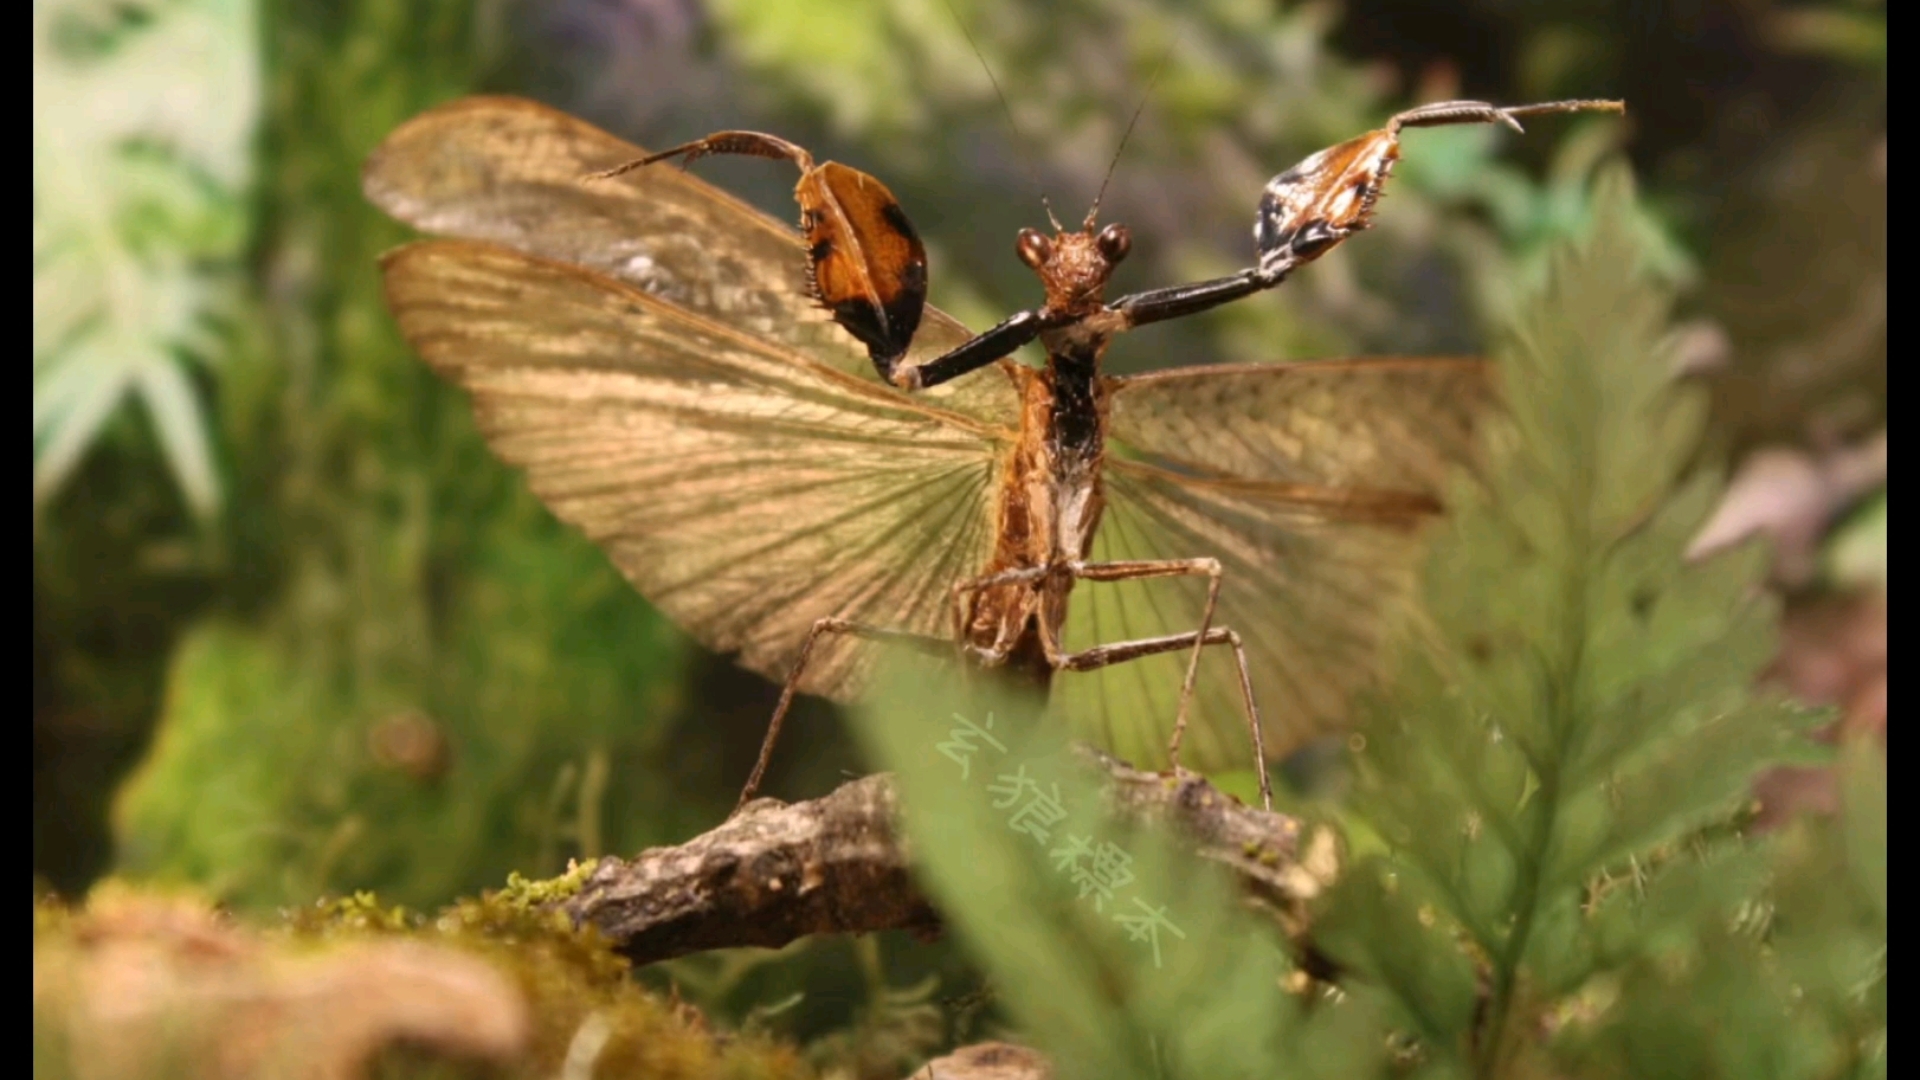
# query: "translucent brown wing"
743,488
511,171
1385,424
1309,483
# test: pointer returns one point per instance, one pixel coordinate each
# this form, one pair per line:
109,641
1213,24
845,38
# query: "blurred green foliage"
414,680
308,637
1857,555
139,219
416,581
1233,92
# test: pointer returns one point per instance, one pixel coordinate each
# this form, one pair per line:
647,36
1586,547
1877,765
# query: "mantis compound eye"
1033,248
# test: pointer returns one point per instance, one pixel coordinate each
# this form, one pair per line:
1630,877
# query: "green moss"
550,890
360,912
580,990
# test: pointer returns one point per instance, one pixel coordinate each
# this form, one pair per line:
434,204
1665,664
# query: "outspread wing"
1309,483
512,171
1382,424
745,489
732,449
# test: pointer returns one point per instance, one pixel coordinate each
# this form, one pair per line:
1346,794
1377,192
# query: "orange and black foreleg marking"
865,263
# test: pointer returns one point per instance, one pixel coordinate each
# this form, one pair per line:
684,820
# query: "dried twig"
776,871
772,873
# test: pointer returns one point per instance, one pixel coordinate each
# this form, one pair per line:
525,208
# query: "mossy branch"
776,872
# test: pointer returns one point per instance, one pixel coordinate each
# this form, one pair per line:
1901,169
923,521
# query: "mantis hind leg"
820,628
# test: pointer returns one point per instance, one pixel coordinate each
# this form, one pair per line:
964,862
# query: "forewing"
744,489
1382,424
513,171
1310,484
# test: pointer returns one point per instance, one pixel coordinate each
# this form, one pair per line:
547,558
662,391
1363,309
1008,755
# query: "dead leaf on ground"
986,1061
140,986
1793,497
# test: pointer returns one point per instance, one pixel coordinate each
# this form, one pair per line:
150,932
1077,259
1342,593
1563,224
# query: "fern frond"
1582,698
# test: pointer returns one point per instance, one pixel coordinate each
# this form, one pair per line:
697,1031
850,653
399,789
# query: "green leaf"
1857,554
273,775
1863,791
1753,959
143,122
1582,699
1137,964
1386,926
